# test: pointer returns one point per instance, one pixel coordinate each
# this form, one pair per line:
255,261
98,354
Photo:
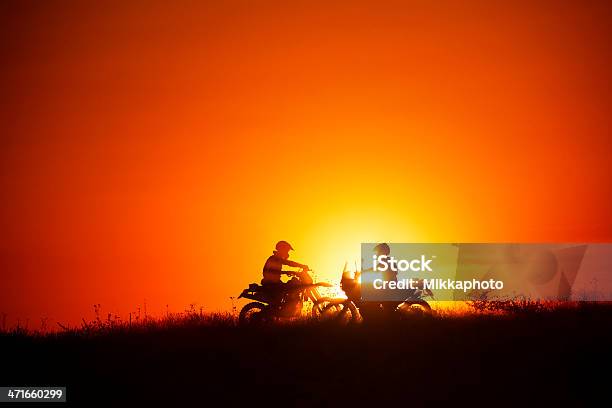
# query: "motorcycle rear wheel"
252,314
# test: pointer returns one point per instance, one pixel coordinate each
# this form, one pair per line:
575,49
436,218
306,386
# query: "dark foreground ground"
551,358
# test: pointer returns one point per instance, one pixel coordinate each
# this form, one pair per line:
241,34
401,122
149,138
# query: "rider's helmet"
382,249
283,246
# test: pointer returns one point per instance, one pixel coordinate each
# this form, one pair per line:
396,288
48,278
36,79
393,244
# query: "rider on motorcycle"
272,269
389,275
274,299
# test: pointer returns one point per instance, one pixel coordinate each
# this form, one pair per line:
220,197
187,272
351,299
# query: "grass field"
527,356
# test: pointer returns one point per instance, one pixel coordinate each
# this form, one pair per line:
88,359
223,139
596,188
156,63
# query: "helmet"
283,246
383,248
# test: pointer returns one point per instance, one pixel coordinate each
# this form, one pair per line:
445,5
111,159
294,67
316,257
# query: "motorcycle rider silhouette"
388,275
273,270
274,299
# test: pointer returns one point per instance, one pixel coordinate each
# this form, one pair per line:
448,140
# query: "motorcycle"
280,302
353,309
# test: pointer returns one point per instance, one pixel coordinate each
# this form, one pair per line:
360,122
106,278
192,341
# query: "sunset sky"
159,150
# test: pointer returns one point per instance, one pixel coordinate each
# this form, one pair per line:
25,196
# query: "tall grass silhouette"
510,352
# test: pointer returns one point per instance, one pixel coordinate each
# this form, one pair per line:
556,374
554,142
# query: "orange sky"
159,151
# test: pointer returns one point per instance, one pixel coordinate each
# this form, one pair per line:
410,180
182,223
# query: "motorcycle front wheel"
319,305
414,308
340,311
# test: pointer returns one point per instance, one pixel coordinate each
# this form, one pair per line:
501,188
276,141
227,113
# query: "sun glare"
334,244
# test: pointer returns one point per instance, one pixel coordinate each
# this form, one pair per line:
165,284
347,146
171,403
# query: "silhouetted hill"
548,358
